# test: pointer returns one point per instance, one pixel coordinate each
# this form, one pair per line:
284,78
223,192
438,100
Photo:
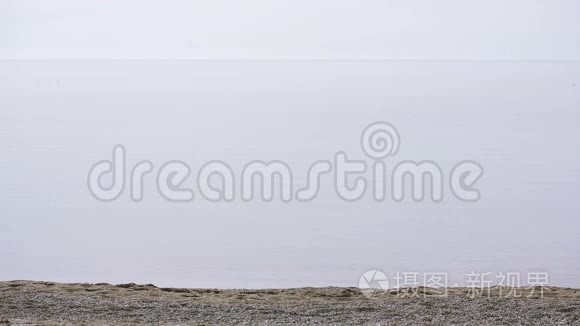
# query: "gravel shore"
47,303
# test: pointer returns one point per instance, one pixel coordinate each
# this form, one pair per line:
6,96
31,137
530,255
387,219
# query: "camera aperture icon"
373,283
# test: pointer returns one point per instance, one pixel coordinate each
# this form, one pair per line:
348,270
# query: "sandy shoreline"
48,303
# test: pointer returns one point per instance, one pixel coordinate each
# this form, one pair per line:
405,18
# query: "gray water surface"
519,120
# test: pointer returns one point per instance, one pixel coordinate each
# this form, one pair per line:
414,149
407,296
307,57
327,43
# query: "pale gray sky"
395,29
519,120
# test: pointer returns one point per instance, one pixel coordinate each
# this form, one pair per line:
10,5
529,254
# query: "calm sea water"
519,120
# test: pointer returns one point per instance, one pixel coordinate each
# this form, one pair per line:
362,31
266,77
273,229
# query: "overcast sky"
395,29
59,117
